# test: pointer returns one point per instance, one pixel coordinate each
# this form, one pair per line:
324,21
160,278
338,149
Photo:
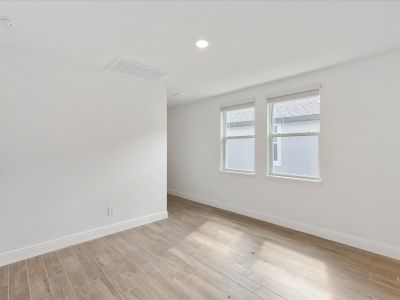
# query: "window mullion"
240,137
294,134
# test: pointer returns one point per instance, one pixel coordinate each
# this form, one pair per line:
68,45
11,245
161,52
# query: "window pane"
239,122
295,116
298,156
239,154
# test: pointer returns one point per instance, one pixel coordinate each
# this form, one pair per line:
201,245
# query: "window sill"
298,179
238,172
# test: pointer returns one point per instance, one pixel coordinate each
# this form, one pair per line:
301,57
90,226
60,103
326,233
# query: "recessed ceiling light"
10,24
201,44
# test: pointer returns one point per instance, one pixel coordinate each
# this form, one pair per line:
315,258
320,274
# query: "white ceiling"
250,42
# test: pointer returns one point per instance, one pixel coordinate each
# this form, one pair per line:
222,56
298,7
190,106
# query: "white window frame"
312,90
224,138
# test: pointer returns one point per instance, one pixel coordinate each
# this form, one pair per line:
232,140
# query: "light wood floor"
203,253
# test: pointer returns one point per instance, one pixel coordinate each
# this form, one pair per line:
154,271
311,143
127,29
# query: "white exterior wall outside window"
277,148
293,140
238,138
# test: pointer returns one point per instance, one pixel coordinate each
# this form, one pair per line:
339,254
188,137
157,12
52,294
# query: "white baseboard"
339,237
45,247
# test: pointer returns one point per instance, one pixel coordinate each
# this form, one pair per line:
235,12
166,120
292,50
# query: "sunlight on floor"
214,236
280,265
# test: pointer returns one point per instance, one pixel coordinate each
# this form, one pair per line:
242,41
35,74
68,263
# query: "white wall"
72,142
358,201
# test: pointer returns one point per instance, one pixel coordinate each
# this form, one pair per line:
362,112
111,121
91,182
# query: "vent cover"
134,68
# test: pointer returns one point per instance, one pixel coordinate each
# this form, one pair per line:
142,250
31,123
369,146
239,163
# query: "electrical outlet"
110,211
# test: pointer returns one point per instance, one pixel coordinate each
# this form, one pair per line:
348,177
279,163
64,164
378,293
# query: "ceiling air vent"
134,68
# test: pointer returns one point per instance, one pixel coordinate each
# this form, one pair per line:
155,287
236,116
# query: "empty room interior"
199,150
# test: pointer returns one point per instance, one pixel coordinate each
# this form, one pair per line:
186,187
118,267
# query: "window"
294,135
238,138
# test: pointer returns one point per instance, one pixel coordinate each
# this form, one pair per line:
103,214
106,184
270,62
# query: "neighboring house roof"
306,109
297,108
242,115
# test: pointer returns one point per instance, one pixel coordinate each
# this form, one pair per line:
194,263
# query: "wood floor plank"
4,293
91,268
118,276
3,276
52,264
61,287
59,282
4,283
105,290
18,281
38,279
79,280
